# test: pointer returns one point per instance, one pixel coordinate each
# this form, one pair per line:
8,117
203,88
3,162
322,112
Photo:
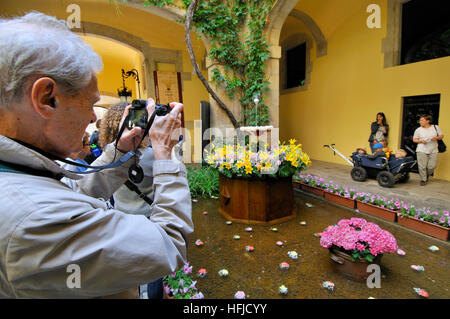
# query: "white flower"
283,290
293,254
223,272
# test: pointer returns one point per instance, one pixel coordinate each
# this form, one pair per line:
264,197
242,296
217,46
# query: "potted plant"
256,185
433,223
180,285
355,243
311,184
379,206
340,195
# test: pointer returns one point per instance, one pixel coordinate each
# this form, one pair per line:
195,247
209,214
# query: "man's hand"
163,132
130,139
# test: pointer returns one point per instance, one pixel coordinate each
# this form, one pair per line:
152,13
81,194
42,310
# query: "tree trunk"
187,27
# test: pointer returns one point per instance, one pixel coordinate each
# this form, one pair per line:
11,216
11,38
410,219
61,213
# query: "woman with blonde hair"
109,125
126,199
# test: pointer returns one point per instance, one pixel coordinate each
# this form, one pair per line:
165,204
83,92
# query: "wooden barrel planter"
340,200
377,211
257,201
425,227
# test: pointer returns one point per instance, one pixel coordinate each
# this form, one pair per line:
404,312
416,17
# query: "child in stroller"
385,168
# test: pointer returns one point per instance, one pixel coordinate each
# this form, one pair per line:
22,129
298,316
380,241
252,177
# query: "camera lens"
139,104
162,110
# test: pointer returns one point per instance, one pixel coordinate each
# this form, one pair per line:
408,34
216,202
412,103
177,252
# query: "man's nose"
94,117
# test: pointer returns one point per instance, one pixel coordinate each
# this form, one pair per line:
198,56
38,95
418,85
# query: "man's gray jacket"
61,239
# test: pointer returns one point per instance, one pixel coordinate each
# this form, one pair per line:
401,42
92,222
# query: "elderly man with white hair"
55,224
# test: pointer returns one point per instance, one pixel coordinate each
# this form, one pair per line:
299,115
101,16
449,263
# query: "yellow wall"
156,31
350,85
115,57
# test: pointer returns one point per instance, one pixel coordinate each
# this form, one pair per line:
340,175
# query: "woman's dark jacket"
374,128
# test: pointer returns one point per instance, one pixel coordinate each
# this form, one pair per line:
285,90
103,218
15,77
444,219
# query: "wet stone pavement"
258,273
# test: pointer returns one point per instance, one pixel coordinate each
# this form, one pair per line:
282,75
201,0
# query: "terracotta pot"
166,296
431,229
341,200
342,263
296,184
384,213
312,189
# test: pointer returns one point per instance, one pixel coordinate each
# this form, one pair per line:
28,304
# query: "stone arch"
289,43
277,17
316,32
151,56
170,13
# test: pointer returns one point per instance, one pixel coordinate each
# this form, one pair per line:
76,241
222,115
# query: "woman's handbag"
441,145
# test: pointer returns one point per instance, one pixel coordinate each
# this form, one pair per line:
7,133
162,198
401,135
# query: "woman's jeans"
427,163
154,290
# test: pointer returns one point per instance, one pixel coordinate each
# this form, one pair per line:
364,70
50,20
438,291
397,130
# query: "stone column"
273,96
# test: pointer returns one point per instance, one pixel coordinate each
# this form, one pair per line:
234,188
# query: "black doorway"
413,107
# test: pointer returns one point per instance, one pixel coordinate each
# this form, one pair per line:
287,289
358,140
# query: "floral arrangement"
425,214
394,204
180,285
328,186
342,191
312,180
358,238
380,201
241,161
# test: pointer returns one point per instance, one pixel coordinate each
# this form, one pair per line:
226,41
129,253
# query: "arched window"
295,64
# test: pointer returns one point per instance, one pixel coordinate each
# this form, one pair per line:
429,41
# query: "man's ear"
43,97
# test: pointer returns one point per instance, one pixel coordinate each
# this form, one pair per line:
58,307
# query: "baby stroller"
387,172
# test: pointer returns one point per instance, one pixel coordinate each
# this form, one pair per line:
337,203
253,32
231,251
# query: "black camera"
138,115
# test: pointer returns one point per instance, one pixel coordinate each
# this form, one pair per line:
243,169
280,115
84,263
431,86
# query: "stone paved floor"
258,273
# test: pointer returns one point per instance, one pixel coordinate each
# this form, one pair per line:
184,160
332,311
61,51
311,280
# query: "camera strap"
124,158
95,169
134,188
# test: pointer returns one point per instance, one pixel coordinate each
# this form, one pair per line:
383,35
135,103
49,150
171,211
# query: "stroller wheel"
386,179
405,178
358,174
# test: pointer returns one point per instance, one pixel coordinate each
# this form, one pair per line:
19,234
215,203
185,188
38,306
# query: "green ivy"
241,54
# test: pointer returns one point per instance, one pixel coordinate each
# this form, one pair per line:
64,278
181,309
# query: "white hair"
40,45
